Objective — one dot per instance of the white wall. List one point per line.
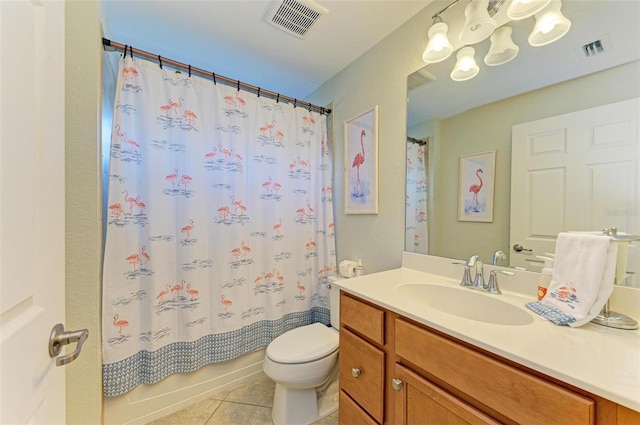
(82, 203)
(379, 77)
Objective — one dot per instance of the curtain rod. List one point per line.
(114, 46)
(418, 141)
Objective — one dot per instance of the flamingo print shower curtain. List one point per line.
(416, 237)
(219, 224)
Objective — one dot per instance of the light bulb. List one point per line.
(438, 48)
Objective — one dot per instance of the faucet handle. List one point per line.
(479, 280)
(492, 286)
(466, 277)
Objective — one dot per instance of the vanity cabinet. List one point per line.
(396, 371)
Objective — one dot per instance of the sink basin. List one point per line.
(466, 302)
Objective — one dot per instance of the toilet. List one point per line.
(303, 362)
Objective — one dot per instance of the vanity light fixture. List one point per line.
(503, 49)
(479, 24)
(466, 67)
(439, 48)
(522, 9)
(550, 26)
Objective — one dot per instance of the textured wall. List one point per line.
(83, 221)
(378, 77)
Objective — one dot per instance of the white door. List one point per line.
(32, 388)
(578, 171)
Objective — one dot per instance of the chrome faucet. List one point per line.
(478, 282)
(466, 277)
(493, 287)
(498, 255)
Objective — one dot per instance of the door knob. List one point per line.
(518, 248)
(60, 337)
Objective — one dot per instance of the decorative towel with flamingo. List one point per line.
(206, 258)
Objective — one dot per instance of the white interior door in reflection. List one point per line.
(575, 172)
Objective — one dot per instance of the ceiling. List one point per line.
(615, 22)
(232, 39)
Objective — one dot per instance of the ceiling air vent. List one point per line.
(592, 49)
(295, 17)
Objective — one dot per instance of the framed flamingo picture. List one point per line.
(361, 163)
(475, 198)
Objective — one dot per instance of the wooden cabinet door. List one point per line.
(419, 401)
(351, 413)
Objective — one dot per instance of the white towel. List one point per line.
(582, 279)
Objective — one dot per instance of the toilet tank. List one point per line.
(334, 301)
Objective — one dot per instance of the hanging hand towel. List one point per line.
(582, 279)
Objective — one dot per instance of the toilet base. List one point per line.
(303, 407)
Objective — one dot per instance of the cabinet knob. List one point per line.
(396, 384)
(355, 372)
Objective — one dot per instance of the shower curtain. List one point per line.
(219, 224)
(416, 236)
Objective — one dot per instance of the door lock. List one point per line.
(60, 337)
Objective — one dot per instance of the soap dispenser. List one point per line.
(545, 276)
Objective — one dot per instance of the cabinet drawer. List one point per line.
(512, 392)
(350, 413)
(366, 388)
(362, 318)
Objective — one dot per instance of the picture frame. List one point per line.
(476, 190)
(361, 163)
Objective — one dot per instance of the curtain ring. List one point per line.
(189, 71)
(278, 98)
(238, 85)
(258, 91)
(124, 54)
(214, 78)
(295, 103)
(130, 51)
(160, 61)
(310, 107)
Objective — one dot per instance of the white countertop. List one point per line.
(601, 360)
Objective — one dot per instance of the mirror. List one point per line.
(462, 118)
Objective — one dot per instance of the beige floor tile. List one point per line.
(332, 419)
(197, 414)
(257, 393)
(241, 414)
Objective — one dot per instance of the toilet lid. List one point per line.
(303, 344)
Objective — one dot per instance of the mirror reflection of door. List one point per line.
(416, 202)
(584, 168)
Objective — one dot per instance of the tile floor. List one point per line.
(249, 404)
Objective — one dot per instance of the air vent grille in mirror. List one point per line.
(295, 17)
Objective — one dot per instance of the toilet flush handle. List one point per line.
(355, 372)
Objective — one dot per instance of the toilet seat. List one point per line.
(303, 344)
